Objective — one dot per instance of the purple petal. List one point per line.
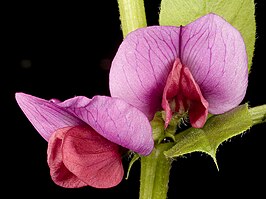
(141, 66)
(212, 49)
(115, 120)
(215, 53)
(112, 118)
(45, 115)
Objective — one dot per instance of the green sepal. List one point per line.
(217, 129)
(132, 161)
(157, 125)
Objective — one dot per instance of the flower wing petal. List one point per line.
(182, 94)
(141, 66)
(215, 53)
(79, 156)
(45, 115)
(58, 170)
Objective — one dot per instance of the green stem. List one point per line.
(155, 171)
(132, 15)
(258, 114)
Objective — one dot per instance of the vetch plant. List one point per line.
(192, 68)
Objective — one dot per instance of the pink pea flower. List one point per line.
(199, 68)
(87, 137)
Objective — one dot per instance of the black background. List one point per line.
(63, 50)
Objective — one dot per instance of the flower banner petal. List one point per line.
(215, 53)
(212, 49)
(115, 120)
(141, 66)
(45, 115)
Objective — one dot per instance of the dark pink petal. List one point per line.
(215, 54)
(79, 156)
(58, 171)
(173, 98)
(141, 66)
(182, 94)
(45, 115)
(115, 120)
(197, 105)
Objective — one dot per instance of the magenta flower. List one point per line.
(87, 137)
(199, 68)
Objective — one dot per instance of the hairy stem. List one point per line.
(132, 15)
(155, 171)
(258, 114)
